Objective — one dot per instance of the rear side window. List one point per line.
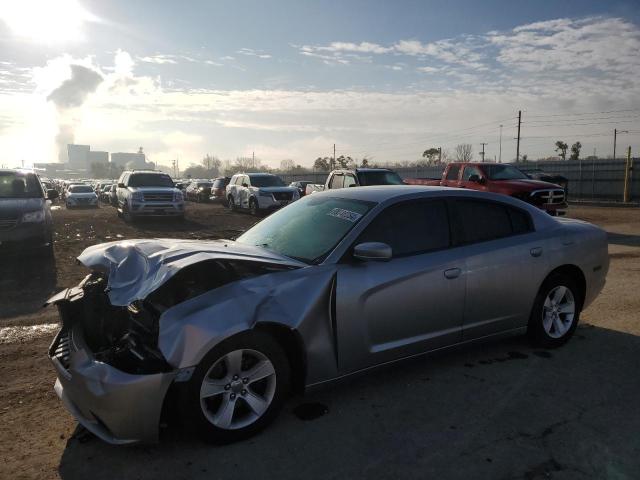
(453, 172)
(410, 228)
(520, 221)
(481, 221)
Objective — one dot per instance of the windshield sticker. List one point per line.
(345, 214)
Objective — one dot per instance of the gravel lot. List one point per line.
(498, 410)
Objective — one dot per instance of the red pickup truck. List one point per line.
(500, 178)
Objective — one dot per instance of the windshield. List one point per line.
(503, 172)
(150, 180)
(308, 229)
(204, 184)
(382, 177)
(20, 185)
(80, 189)
(267, 181)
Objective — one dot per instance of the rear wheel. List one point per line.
(556, 311)
(238, 388)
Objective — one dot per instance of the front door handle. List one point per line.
(536, 252)
(452, 273)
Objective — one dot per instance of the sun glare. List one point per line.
(45, 20)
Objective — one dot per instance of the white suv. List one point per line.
(259, 192)
(148, 193)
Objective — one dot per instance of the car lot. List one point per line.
(499, 410)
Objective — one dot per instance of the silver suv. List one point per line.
(259, 192)
(148, 193)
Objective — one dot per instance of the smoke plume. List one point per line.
(69, 96)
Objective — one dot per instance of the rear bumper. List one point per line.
(118, 407)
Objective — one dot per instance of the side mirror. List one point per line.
(121, 185)
(375, 251)
(52, 194)
(245, 185)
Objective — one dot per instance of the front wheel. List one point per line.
(253, 207)
(238, 388)
(556, 312)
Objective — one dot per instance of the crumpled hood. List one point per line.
(138, 267)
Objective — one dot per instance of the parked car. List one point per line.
(148, 193)
(103, 195)
(113, 195)
(219, 190)
(500, 178)
(259, 192)
(359, 177)
(81, 196)
(198, 191)
(390, 272)
(555, 178)
(301, 185)
(25, 215)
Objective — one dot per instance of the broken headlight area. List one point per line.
(123, 337)
(205, 276)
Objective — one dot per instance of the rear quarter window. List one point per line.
(453, 172)
(480, 221)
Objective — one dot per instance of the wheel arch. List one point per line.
(292, 344)
(575, 273)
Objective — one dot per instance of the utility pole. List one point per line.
(482, 152)
(333, 162)
(615, 135)
(253, 159)
(439, 154)
(518, 144)
(500, 154)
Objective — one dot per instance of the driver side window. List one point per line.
(470, 170)
(410, 228)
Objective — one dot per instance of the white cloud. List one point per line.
(600, 44)
(250, 52)
(159, 59)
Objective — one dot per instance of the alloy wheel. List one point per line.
(238, 389)
(558, 311)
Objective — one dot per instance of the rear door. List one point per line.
(503, 267)
(408, 305)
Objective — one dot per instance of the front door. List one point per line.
(410, 304)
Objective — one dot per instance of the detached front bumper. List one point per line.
(118, 407)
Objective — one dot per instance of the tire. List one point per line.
(556, 312)
(206, 409)
(126, 215)
(253, 207)
(230, 203)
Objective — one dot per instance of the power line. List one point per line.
(584, 113)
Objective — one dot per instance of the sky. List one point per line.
(286, 79)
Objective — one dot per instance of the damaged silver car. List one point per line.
(332, 285)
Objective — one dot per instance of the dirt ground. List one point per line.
(498, 410)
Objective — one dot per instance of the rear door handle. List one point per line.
(452, 273)
(536, 252)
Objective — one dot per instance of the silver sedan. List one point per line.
(332, 285)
